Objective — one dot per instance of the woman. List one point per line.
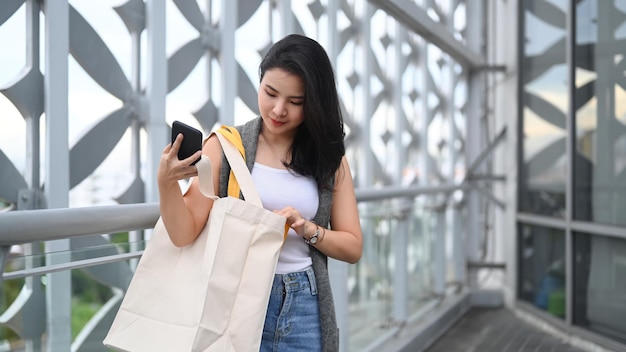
(297, 159)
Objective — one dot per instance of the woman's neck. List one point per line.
(278, 142)
(274, 149)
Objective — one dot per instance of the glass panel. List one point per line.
(370, 281)
(421, 261)
(11, 290)
(95, 295)
(455, 242)
(541, 268)
(544, 101)
(600, 285)
(600, 163)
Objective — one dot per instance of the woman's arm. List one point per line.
(345, 241)
(185, 216)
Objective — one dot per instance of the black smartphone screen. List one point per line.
(192, 141)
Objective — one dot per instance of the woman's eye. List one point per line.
(270, 94)
(297, 102)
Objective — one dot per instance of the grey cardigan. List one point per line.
(330, 333)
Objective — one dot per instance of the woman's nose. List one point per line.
(280, 109)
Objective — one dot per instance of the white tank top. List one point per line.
(279, 188)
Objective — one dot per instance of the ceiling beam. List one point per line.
(416, 19)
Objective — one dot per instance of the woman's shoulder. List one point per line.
(249, 131)
(250, 125)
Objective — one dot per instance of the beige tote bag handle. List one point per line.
(242, 174)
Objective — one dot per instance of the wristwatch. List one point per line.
(315, 237)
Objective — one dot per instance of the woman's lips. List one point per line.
(276, 123)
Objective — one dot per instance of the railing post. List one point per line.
(458, 246)
(439, 251)
(400, 272)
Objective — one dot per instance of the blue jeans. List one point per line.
(292, 322)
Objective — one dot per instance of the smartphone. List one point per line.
(192, 141)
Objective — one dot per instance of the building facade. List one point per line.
(488, 141)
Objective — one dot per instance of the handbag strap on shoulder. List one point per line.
(233, 149)
(233, 136)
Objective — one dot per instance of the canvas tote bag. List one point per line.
(211, 295)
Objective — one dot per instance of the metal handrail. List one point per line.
(19, 227)
(25, 226)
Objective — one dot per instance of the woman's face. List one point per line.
(281, 100)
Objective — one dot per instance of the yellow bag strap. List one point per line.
(233, 136)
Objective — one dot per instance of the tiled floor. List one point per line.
(497, 330)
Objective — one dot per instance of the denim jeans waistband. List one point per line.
(296, 281)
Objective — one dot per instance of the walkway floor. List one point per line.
(497, 330)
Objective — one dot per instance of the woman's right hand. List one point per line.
(171, 169)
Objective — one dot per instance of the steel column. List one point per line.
(400, 236)
(59, 285)
(156, 93)
(474, 132)
(338, 270)
(570, 149)
(228, 63)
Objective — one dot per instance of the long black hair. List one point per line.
(318, 145)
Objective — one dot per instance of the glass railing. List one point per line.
(406, 264)
(403, 240)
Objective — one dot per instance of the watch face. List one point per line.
(313, 240)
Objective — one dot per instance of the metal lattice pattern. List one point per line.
(403, 99)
